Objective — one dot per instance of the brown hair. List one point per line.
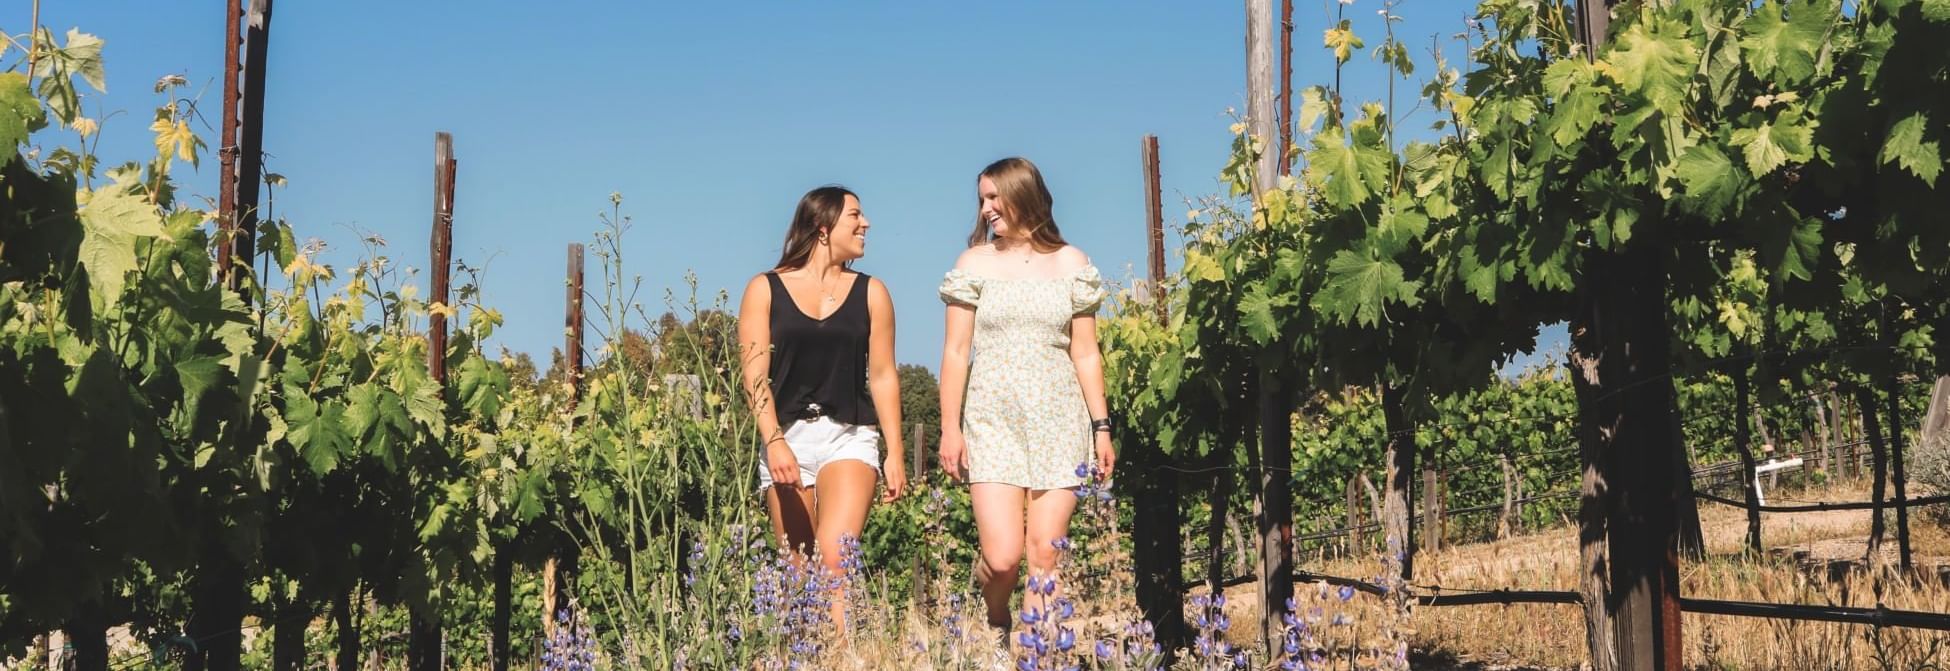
(818, 210)
(1020, 187)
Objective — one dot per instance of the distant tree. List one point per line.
(635, 351)
(521, 370)
(557, 374)
(707, 341)
(920, 400)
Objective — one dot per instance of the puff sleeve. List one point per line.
(961, 287)
(1086, 291)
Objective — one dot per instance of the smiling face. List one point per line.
(995, 211)
(848, 235)
(1013, 204)
(829, 221)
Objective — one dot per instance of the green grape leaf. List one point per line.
(20, 112)
(1937, 10)
(1905, 147)
(362, 410)
(1711, 181)
(1775, 45)
(1573, 83)
(423, 404)
(1346, 174)
(1655, 65)
(482, 386)
(1790, 247)
(111, 220)
(1358, 288)
(317, 431)
(1258, 314)
(198, 375)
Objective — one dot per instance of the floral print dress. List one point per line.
(1024, 417)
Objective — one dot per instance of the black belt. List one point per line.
(811, 412)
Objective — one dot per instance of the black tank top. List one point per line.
(821, 361)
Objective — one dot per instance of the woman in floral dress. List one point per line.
(1024, 302)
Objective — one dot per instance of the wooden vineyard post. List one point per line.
(1286, 89)
(1936, 420)
(1825, 435)
(555, 570)
(1154, 224)
(1517, 524)
(1431, 510)
(918, 451)
(1505, 525)
(227, 149)
(918, 473)
(1353, 516)
(1894, 397)
(1156, 525)
(241, 152)
(572, 347)
(441, 247)
(424, 641)
(1275, 518)
(1742, 444)
(1219, 502)
(217, 589)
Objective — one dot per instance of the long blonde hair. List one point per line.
(1020, 187)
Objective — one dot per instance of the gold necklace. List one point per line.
(828, 292)
(1026, 256)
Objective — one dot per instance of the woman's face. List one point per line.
(995, 213)
(848, 236)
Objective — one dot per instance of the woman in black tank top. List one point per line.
(818, 353)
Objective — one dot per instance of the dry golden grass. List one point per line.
(1813, 558)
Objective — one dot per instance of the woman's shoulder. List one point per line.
(1071, 259)
(975, 258)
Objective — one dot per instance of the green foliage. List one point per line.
(920, 398)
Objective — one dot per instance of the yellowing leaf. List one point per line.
(174, 136)
(1770, 146)
(112, 220)
(1202, 268)
(1313, 104)
(1342, 40)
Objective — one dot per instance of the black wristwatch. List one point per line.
(1100, 425)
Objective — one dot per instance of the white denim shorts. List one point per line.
(818, 442)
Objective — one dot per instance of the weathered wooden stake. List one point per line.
(1353, 516)
(572, 348)
(1431, 511)
(1275, 519)
(1505, 525)
(441, 247)
(1286, 87)
(1156, 525)
(1154, 224)
(425, 648)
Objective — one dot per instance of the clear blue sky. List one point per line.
(712, 118)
